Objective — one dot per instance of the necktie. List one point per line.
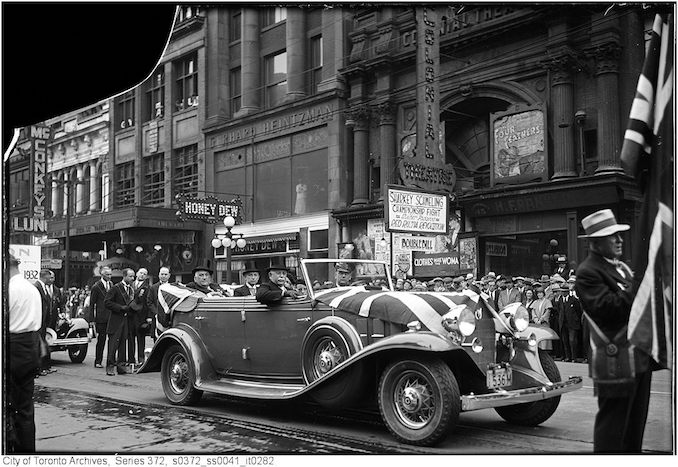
(49, 291)
(128, 290)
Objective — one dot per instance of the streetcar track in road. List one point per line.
(316, 441)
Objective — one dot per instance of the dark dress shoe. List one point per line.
(122, 370)
(110, 370)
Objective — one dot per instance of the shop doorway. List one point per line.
(528, 255)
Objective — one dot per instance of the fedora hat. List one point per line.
(204, 266)
(601, 224)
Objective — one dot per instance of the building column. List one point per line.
(79, 189)
(55, 195)
(295, 40)
(607, 84)
(250, 62)
(64, 188)
(333, 33)
(359, 115)
(387, 138)
(216, 45)
(562, 98)
(94, 195)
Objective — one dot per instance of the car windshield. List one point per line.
(331, 273)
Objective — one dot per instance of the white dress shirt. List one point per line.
(25, 306)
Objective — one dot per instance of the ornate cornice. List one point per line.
(606, 57)
(358, 116)
(563, 63)
(384, 112)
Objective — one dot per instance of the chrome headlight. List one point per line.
(460, 319)
(413, 326)
(520, 319)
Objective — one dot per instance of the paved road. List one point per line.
(79, 409)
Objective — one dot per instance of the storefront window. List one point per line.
(273, 194)
(528, 255)
(309, 177)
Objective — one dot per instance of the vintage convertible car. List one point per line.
(71, 334)
(421, 357)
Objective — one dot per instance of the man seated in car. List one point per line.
(273, 289)
(343, 274)
(202, 281)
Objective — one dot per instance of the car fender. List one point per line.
(422, 341)
(541, 333)
(195, 350)
(77, 324)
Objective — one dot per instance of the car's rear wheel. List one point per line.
(534, 413)
(419, 400)
(77, 353)
(326, 347)
(178, 377)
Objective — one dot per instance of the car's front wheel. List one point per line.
(77, 353)
(178, 377)
(419, 400)
(325, 347)
(534, 413)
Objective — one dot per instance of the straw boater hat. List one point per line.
(601, 224)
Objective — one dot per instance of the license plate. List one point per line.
(499, 375)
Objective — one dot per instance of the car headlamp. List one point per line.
(460, 319)
(520, 319)
(413, 326)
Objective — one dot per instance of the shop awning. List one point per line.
(273, 237)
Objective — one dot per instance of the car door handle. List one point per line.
(199, 318)
(308, 318)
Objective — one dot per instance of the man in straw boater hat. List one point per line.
(604, 286)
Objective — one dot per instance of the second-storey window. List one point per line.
(125, 110)
(316, 63)
(276, 78)
(155, 95)
(272, 16)
(187, 82)
(235, 26)
(186, 170)
(154, 180)
(236, 90)
(124, 184)
(19, 194)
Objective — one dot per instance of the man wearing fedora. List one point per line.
(273, 290)
(251, 275)
(202, 280)
(604, 286)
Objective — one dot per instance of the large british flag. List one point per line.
(648, 154)
(429, 308)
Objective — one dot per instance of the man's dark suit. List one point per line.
(571, 326)
(100, 316)
(46, 302)
(244, 291)
(117, 301)
(269, 293)
(606, 297)
(137, 317)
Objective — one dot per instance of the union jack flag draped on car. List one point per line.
(647, 154)
(429, 308)
(170, 296)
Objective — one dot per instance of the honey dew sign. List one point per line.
(416, 211)
(210, 210)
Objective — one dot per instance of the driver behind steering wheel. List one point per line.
(343, 274)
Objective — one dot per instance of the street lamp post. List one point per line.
(229, 241)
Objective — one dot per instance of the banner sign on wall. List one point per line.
(409, 242)
(410, 210)
(30, 256)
